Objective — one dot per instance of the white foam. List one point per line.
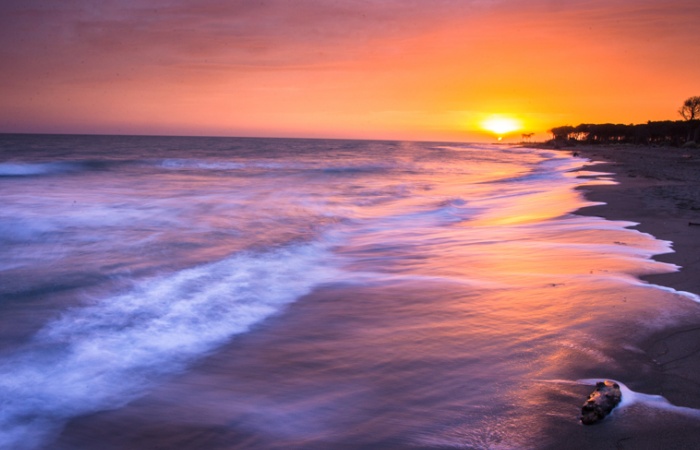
(630, 397)
(104, 355)
(186, 164)
(19, 169)
(198, 164)
(689, 295)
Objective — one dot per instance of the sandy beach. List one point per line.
(659, 188)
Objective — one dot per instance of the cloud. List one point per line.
(235, 57)
(245, 33)
(281, 33)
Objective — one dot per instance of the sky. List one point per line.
(372, 69)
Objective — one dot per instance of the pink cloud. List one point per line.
(93, 58)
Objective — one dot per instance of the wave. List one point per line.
(312, 166)
(449, 211)
(220, 165)
(23, 169)
(102, 356)
(545, 171)
(19, 169)
(363, 168)
(188, 164)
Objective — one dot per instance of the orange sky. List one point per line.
(394, 69)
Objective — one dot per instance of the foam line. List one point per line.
(102, 356)
(19, 169)
(630, 397)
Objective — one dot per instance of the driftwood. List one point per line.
(599, 404)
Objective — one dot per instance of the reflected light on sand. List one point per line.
(539, 206)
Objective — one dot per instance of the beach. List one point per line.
(290, 293)
(659, 188)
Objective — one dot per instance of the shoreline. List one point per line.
(658, 188)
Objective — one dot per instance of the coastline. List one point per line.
(658, 188)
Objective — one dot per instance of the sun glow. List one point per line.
(501, 125)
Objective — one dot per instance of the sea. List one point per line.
(253, 293)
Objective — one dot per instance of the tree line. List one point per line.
(667, 132)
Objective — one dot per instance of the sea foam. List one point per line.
(20, 169)
(658, 402)
(103, 356)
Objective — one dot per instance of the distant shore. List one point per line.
(659, 188)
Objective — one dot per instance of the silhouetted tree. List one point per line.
(663, 133)
(562, 133)
(690, 109)
(667, 132)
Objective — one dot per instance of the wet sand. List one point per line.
(659, 188)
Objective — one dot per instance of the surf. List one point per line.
(104, 355)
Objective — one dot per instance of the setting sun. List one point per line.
(500, 125)
(349, 197)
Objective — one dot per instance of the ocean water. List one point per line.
(221, 293)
